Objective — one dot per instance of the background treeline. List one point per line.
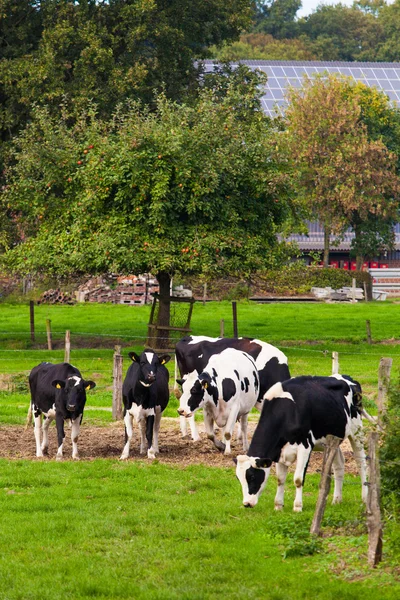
(366, 31)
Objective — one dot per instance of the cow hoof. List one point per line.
(279, 507)
(151, 455)
(39, 455)
(336, 500)
(123, 457)
(76, 458)
(59, 458)
(45, 451)
(297, 509)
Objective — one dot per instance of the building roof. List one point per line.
(283, 73)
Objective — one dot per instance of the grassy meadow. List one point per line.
(106, 529)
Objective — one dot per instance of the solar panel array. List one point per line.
(284, 73)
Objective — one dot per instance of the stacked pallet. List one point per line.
(136, 289)
(55, 297)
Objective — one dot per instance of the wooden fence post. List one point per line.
(48, 332)
(32, 319)
(368, 327)
(235, 324)
(204, 294)
(67, 348)
(332, 444)
(385, 366)
(117, 385)
(335, 363)
(221, 328)
(374, 521)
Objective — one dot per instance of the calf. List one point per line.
(193, 353)
(227, 389)
(302, 411)
(145, 395)
(57, 392)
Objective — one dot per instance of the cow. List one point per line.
(227, 389)
(58, 391)
(145, 394)
(296, 417)
(192, 354)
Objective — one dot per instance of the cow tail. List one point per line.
(29, 417)
(177, 391)
(373, 420)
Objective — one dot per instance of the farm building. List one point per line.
(384, 76)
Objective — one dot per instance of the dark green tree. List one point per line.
(277, 17)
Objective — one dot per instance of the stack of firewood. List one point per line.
(55, 297)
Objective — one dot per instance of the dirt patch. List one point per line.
(107, 442)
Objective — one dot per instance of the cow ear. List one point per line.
(89, 385)
(58, 384)
(263, 463)
(164, 359)
(180, 381)
(204, 384)
(133, 356)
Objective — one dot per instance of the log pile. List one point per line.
(55, 297)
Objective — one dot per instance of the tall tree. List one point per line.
(343, 177)
(193, 190)
(277, 17)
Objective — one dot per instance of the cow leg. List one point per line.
(128, 420)
(75, 427)
(229, 427)
(149, 436)
(37, 430)
(183, 421)
(209, 426)
(45, 430)
(303, 456)
(142, 429)
(357, 445)
(338, 475)
(243, 431)
(281, 474)
(60, 436)
(157, 421)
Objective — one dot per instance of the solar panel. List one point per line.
(281, 73)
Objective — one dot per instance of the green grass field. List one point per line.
(105, 529)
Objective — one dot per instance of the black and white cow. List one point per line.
(193, 353)
(227, 389)
(145, 395)
(302, 412)
(57, 392)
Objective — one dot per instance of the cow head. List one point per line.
(74, 391)
(193, 391)
(148, 363)
(253, 474)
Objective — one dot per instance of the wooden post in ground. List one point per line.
(332, 444)
(32, 319)
(48, 333)
(368, 327)
(67, 347)
(117, 385)
(335, 363)
(353, 290)
(204, 294)
(385, 366)
(374, 520)
(235, 323)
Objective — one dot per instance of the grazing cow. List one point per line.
(57, 392)
(193, 353)
(227, 389)
(145, 395)
(302, 411)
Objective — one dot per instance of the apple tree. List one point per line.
(179, 190)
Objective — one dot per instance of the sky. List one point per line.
(310, 5)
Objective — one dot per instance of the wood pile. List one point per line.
(131, 289)
(55, 297)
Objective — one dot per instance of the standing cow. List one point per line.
(302, 411)
(227, 389)
(193, 353)
(145, 395)
(57, 392)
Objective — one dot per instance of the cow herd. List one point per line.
(227, 378)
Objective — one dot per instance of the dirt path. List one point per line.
(107, 442)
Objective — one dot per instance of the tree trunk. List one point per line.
(357, 233)
(163, 319)
(327, 232)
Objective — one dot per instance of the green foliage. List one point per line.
(157, 192)
(390, 456)
(296, 538)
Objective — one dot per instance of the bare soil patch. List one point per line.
(107, 442)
